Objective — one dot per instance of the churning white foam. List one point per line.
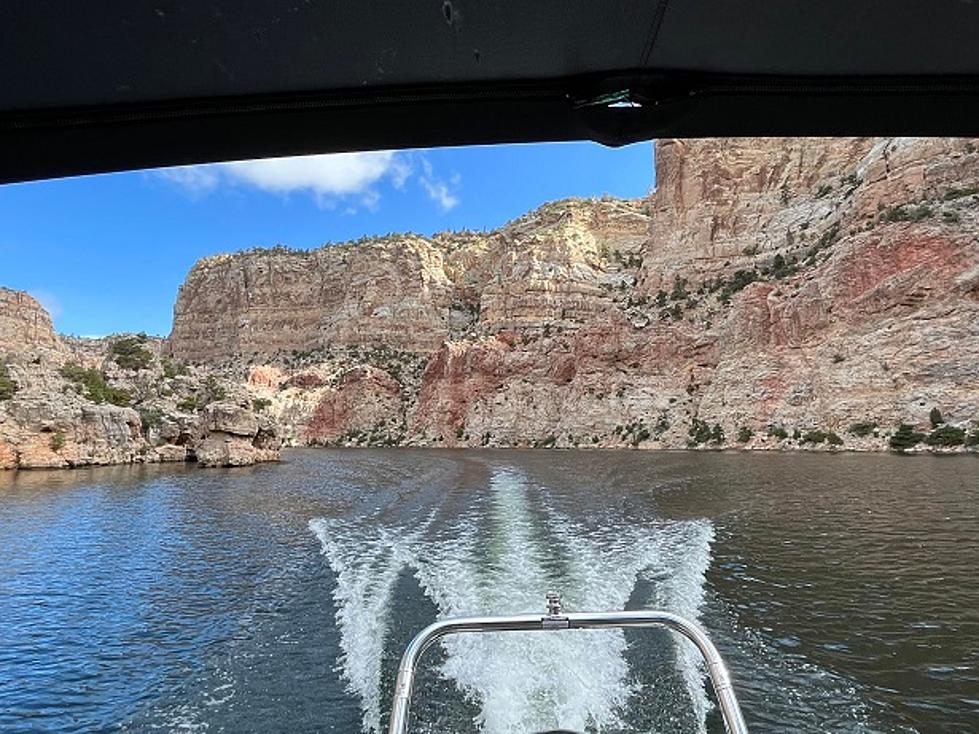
(679, 587)
(504, 563)
(367, 561)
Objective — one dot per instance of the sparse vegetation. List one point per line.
(826, 241)
(8, 386)
(905, 437)
(745, 434)
(906, 213)
(679, 289)
(260, 404)
(953, 194)
(172, 369)
(675, 312)
(863, 429)
(782, 268)
(91, 385)
(130, 354)
(57, 440)
(814, 437)
(188, 404)
(378, 435)
(817, 437)
(634, 433)
(717, 434)
(633, 260)
(150, 419)
(394, 361)
(739, 281)
(946, 436)
(935, 417)
(778, 432)
(699, 431)
(214, 390)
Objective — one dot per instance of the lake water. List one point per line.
(843, 591)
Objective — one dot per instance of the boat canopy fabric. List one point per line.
(131, 83)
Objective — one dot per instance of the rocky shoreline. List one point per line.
(794, 294)
(82, 402)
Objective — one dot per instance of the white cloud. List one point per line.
(329, 178)
(438, 190)
(48, 301)
(400, 172)
(334, 175)
(196, 179)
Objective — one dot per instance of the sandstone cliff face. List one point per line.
(25, 327)
(769, 294)
(70, 402)
(407, 292)
(869, 317)
(392, 291)
(791, 293)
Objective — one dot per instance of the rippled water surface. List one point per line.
(843, 591)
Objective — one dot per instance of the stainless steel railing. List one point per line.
(555, 619)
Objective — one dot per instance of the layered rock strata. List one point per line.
(771, 293)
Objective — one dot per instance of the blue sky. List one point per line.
(106, 253)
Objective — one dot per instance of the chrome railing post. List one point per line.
(555, 619)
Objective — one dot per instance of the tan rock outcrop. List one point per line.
(408, 292)
(25, 326)
(231, 435)
(62, 412)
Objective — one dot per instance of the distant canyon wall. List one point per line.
(827, 289)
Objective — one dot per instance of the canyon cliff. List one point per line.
(769, 294)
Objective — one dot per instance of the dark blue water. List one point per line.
(842, 590)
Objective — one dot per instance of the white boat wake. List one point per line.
(503, 563)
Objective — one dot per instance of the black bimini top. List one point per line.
(119, 84)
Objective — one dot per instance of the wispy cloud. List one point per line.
(197, 180)
(351, 178)
(442, 193)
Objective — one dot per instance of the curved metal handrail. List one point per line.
(555, 620)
